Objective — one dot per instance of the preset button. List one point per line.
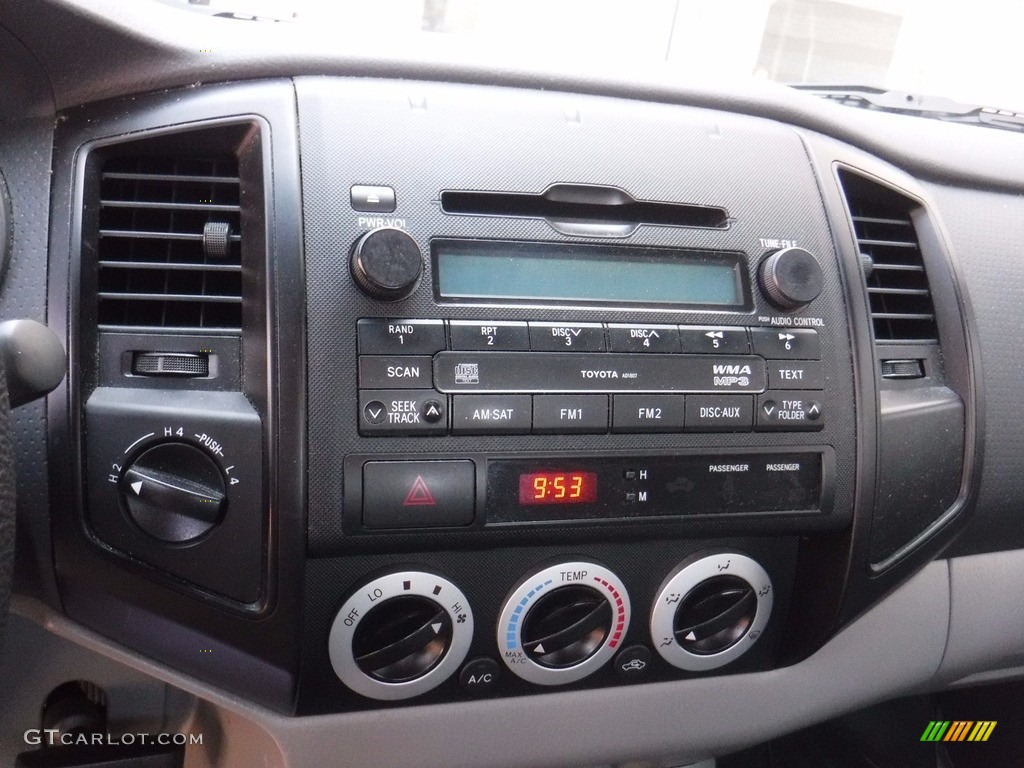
(643, 338)
(385, 336)
(567, 337)
(786, 343)
(485, 335)
(714, 340)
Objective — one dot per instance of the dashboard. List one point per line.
(411, 408)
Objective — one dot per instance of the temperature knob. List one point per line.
(386, 264)
(563, 623)
(791, 278)
(174, 492)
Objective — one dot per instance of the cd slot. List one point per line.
(584, 209)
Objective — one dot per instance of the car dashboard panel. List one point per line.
(390, 395)
(556, 390)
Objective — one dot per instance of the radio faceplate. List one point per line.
(391, 391)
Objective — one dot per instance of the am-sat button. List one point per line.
(418, 494)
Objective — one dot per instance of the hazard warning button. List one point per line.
(418, 494)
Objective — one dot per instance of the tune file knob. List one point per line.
(791, 278)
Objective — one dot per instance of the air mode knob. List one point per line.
(386, 264)
(791, 278)
(710, 611)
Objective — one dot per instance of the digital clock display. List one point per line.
(557, 488)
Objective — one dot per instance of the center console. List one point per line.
(396, 394)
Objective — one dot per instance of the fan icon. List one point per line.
(461, 619)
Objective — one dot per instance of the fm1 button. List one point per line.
(480, 676)
(633, 662)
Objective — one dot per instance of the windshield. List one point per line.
(962, 51)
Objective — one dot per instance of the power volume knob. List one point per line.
(791, 278)
(386, 264)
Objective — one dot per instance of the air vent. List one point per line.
(897, 284)
(168, 244)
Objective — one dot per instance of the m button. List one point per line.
(418, 494)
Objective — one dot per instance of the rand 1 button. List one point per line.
(386, 336)
(402, 412)
(570, 414)
(642, 338)
(786, 343)
(567, 337)
(395, 372)
(486, 335)
(790, 411)
(719, 413)
(491, 414)
(796, 374)
(714, 340)
(418, 494)
(648, 413)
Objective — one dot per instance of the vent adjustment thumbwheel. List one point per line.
(401, 635)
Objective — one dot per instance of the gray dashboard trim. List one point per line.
(893, 649)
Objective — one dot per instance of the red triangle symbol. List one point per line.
(419, 495)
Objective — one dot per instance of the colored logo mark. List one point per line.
(958, 730)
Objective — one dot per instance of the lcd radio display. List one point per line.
(466, 270)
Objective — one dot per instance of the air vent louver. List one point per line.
(156, 269)
(897, 284)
